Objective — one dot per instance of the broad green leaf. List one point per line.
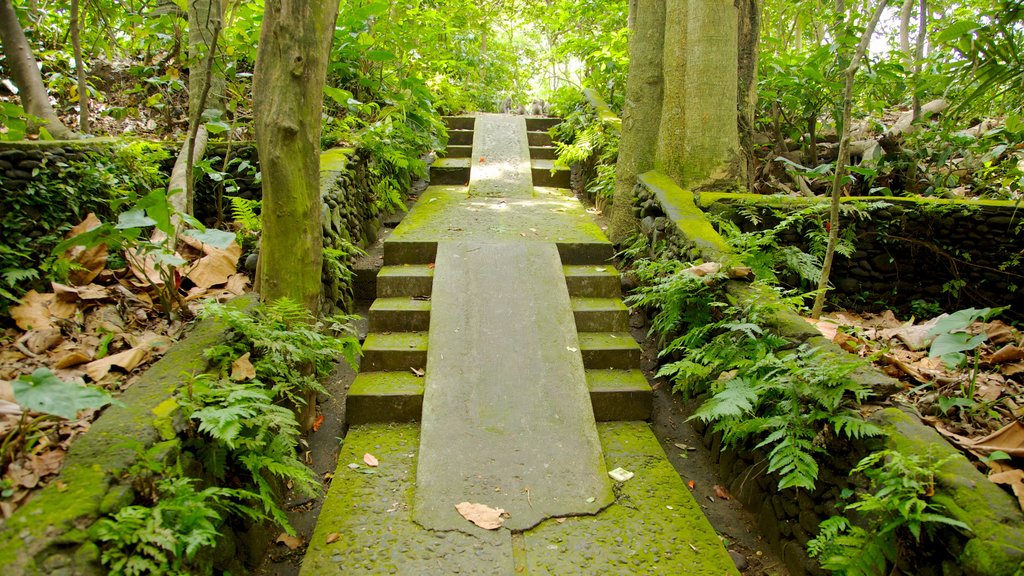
(340, 96)
(219, 239)
(44, 392)
(955, 342)
(156, 207)
(134, 218)
(217, 127)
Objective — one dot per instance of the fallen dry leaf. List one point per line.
(91, 260)
(370, 460)
(704, 269)
(1015, 480)
(482, 515)
(290, 541)
(126, 360)
(333, 537)
(418, 372)
(692, 484)
(47, 463)
(242, 368)
(318, 422)
(1006, 354)
(39, 341)
(216, 267)
(236, 284)
(6, 391)
(721, 492)
(999, 332)
(33, 313)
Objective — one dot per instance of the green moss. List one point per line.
(681, 208)
(604, 112)
(708, 198)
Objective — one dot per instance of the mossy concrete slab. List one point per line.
(396, 351)
(543, 152)
(603, 350)
(600, 314)
(593, 281)
(507, 419)
(405, 280)
(460, 137)
(654, 527)
(501, 157)
(619, 395)
(680, 207)
(384, 397)
(400, 314)
(454, 151)
(370, 511)
(449, 213)
(450, 171)
(540, 123)
(539, 138)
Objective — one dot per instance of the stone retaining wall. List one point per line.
(951, 253)
(789, 518)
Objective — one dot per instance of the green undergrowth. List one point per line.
(584, 140)
(797, 403)
(230, 442)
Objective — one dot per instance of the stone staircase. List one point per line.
(373, 519)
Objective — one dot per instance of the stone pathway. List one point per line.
(500, 295)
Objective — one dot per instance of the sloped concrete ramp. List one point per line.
(507, 420)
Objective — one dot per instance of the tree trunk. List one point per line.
(905, 13)
(291, 68)
(749, 32)
(922, 33)
(641, 113)
(842, 161)
(83, 84)
(698, 144)
(205, 18)
(26, 75)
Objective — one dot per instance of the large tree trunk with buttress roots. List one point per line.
(698, 143)
(25, 72)
(641, 112)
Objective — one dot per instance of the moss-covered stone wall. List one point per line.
(950, 253)
(787, 519)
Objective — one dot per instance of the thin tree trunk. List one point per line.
(83, 85)
(749, 31)
(842, 161)
(196, 119)
(26, 75)
(922, 33)
(906, 11)
(641, 113)
(205, 20)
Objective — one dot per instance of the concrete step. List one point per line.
(460, 137)
(604, 350)
(545, 173)
(456, 152)
(447, 171)
(655, 526)
(459, 122)
(619, 395)
(413, 251)
(542, 124)
(592, 281)
(400, 314)
(543, 152)
(539, 138)
(599, 314)
(384, 397)
(405, 280)
(394, 352)
(398, 396)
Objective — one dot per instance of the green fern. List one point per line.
(247, 213)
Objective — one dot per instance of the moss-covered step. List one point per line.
(397, 351)
(384, 397)
(455, 151)
(453, 171)
(601, 281)
(546, 173)
(654, 527)
(459, 122)
(398, 396)
(543, 152)
(538, 138)
(603, 350)
(366, 526)
(538, 124)
(619, 395)
(451, 213)
(460, 137)
(600, 314)
(405, 280)
(400, 314)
